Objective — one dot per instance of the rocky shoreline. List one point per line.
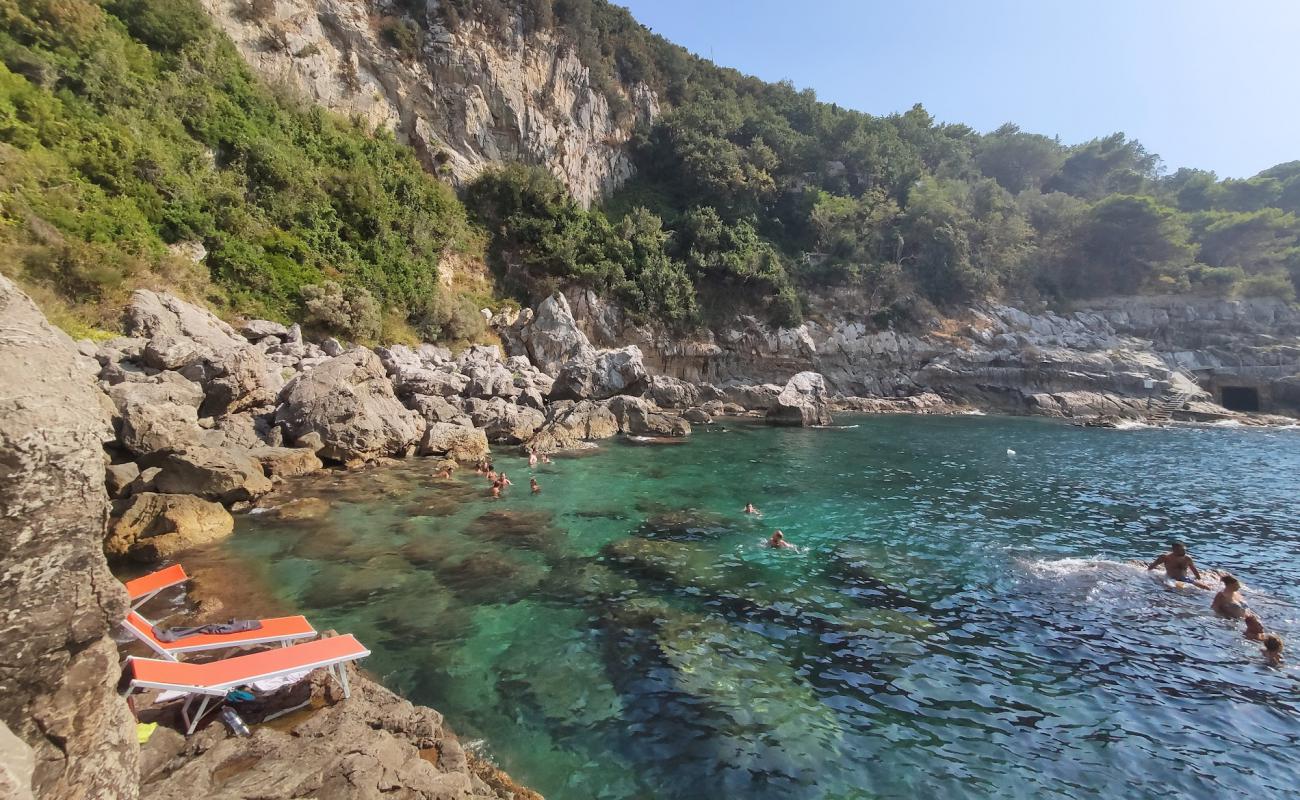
(141, 447)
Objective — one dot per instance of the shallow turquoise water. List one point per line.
(957, 622)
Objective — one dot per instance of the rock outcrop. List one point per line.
(234, 374)
(468, 98)
(372, 745)
(58, 602)
(349, 402)
(803, 401)
(154, 527)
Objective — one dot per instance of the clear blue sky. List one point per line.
(1213, 84)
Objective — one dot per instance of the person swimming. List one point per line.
(1177, 564)
(534, 485)
(1273, 649)
(778, 542)
(445, 472)
(1228, 603)
(492, 475)
(749, 509)
(495, 491)
(546, 459)
(1254, 628)
(504, 481)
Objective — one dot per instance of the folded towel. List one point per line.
(233, 626)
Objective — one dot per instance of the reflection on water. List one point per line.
(957, 622)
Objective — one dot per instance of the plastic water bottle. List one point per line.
(234, 722)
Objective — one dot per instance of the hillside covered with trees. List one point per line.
(131, 130)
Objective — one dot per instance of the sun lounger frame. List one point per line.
(336, 666)
(172, 651)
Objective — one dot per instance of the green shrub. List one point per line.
(454, 318)
(404, 35)
(350, 312)
(1268, 284)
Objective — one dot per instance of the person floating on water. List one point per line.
(1273, 649)
(749, 509)
(1228, 603)
(1254, 628)
(1178, 564)
(534, 485)
(778, 542)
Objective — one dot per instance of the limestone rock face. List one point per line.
(227, 476)
(803, 401)
(283, 462)
(349, 402)
(454, 441)
(234, 374)
(470, 98)
(598, 374)
(638, 417)
(155, 527)
(58, 602)
(551, 337)
(504, 422)
(158, 413)
(569, 426)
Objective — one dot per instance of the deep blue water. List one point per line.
(957, 621)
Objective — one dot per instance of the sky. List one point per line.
(1212, 84)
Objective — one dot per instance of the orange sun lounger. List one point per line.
(216, 678)
(142, 589)
(278, 630)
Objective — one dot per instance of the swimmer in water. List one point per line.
(496, 491)
(444, 473)
(532, 484)
(492, 476)
(749, 509)
(1228, 603)
(1254, 628)
(504, 481)
(532, 458)
(546, 459)
(778, 542)
(1177, 564)
(1273, 649)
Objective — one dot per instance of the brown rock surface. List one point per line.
(58, 666)
(154, 527)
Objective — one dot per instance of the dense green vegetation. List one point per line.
(757, 185)
(134, 125)
(131, 130)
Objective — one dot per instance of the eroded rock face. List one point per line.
(803, 401)
(504, 422)
(638, 417)
(471, 98)
(58, 665)
(155, 527)
(571, 425)
(454, 441)
(599, 374)
(157, 413)
(349, 402)
(234, 374)
(284, 462)
(226, 476)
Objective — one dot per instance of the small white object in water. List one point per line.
(1010, 452)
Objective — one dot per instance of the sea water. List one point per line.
(963, 616)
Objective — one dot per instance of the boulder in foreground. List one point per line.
(58, 602)
(155, 527)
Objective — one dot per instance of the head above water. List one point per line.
(1231, 582)
(1178, 548)
(1273, 644)
(778, 536)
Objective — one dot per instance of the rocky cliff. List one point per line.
(58, 665)
(462, 99)
(1114, 358)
